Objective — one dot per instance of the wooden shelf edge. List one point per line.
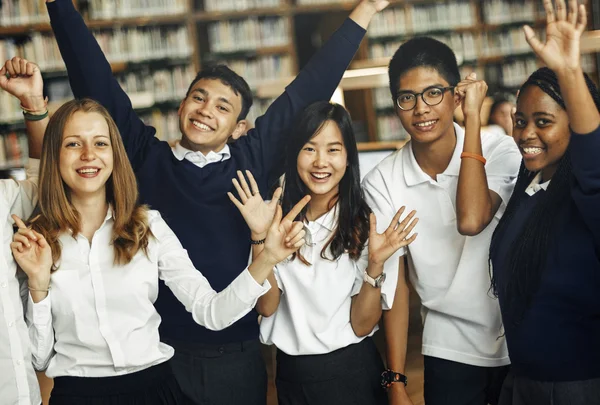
(138, 21)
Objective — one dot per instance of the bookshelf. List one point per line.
(156, 46)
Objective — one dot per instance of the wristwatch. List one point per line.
(374, 282)
(388, 377)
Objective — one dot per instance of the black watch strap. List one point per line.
(389, 377)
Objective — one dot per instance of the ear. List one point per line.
(181, 107)
(240, 129)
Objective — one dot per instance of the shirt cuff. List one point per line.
(247, 289)
(39, 313)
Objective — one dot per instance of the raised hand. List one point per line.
(377, 4)
(23, 79)
(285, 236)
(472, 93)
(256, 212)
(383, 245)
(33, 254)
(563, 33)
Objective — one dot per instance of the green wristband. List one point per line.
(34, 117)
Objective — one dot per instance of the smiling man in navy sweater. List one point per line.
(188, 184)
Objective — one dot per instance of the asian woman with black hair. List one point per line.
(331, 293)
(545, 250)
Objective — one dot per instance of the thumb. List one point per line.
(276, 196)
(372, 224)
(532, 39)
(3, 78)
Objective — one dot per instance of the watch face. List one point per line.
(379, 280)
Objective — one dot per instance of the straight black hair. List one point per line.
(423, 52)
(527, 255)
(353, 218)
(229, 78)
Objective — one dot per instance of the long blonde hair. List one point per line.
(57, 214)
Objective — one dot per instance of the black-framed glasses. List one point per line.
(433, 95)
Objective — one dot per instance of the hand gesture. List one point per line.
(257, 214)
(285, 236)
(563, 33)
(23, 79)
(472, 93)
(383, 245)
(33, 254)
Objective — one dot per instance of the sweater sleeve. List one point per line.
(90, 75)
(316, 82)
(586, 172)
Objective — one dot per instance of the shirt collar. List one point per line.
(413, 174)
(198, 157)
(537, 185)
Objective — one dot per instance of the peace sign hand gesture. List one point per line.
(563, 33)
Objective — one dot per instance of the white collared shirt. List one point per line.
(537, 185)
(198, 157)
(18, 383)
(313, 316)
(99, 319)
(450, 271)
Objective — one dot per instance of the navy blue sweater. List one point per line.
(558, 338)
(193, 200)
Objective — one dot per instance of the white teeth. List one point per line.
(425, 124)
(532, 151)
(201, 126)
(320, 175)
(87, 171)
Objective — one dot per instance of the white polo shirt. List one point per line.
(450, 272)
(313, 316)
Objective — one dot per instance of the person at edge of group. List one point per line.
(18, 383)
(500, 118)
(330, 294)
(545, 250)
(459, 180)
(188, 184)
(93, 256)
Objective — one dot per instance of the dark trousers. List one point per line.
(348, 376)
(153, 386)
(523, 391)
(451, 383)
(228, 374)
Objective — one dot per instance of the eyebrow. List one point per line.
(79, 136)
(424, 88)
(536, 114)
(206, 94)
(329, 144)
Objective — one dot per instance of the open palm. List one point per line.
(383, 245)
(563, 33)
(379, 4)
(256, 212)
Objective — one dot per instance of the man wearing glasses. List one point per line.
(459, 181)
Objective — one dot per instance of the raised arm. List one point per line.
(316, 82)
(561, 53)
(91, 76)
(476, 204)
(366, 305)
(214, 310)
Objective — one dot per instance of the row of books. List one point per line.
(165, 122)
(14, 151)
(119, 45)
(468, 46)
(22, 12)
(510, 11)
(248, 34)
(109, 9)
(263, 68)
(239, 5)
(163, 85)
(389, 128)
(259, 107)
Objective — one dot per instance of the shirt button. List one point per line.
(18, 362)
(3, 284)
(11, 324)
(221, 350)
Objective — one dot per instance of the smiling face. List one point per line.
(208, 116)
(322, 162)
(86, 155)
(426, 124)
(541, 131)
